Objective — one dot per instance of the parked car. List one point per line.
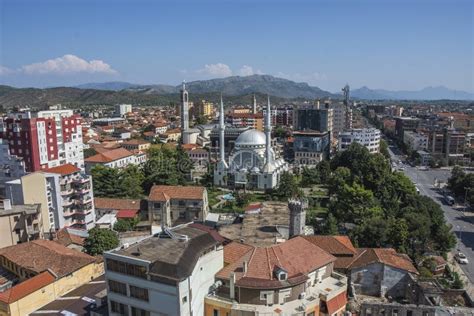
(449, 200)
(461, 258)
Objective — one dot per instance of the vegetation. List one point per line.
(383, 206)
(124, 225)
(462, 184)
(100, 240)
(164, 166)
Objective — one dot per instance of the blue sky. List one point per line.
(381, 44)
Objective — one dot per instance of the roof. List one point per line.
(297, 257)
(27, 287)
(63, 169)
(135, 142)
(116, 204)
(172, 258)
(41, 255)
(111, 155)
(252, 137)
(65, 238)
(127, 213)
(235, 250)
(336, 303)
(166, 192)
(335, 245)
(387, 256)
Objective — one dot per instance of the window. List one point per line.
(215, 312)
(156, 205)
(119, 308)
(117, 287)
(185, 298)
(139, 293)
(126, 268)
(139, 312)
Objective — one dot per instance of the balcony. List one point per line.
(84, 190)
(31, 230)
(66, 192)
(81, 179)
(67, 203)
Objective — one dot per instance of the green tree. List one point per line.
(330, 226)
(131, 181)
(89, 152)
(100, 240)
(324, 171)
(384, 149)
(105, 181)
(309, 176)
(287, 187)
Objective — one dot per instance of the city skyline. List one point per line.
(384, 45)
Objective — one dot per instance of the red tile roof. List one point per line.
(116, 204)
(297, 256)
(336, 303)
(27, 287)
(109, 156)
(63, 169)
(166, 192)
(65, 238)
(41, 255)
(387, 256)
(335, 245)
(127, 213)
(214, 233)
(234, 251)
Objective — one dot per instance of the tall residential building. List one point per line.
(43, 139)
(64, 193)
(313, 117)
(416, 141)
(368, 137)
(338, 118)
(348, 107)
(251, 120)
(167, 274)
(122, 109)
(403, 124)
(311, 147)
(206, 108)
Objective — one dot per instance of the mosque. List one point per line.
(252, 163)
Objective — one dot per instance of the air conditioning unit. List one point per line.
(302, 296)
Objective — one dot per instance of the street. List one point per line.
(463, 223)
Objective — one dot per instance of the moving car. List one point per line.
(461, 258)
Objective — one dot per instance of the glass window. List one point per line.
(119, 308)
(139, 293)
(139, 312)
(117, 287)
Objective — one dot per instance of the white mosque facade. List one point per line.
(252, 164)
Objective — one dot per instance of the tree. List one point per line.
(324, 171)
(105, 181)
(89, 152)
(309, 176)
(384, 149)
(287, 187)
(330, 226)
(100, 240)
(131, 180)
(201, 120)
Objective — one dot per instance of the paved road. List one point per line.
(463, 222)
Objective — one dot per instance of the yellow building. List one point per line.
(19, 223)
(206, 108)
(38, 272)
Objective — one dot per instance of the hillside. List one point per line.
(428, 93)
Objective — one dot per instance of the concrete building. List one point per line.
(310, 147)
(403, 124)
(136, 145)
(12, 166)
(173, 205)
(167, 274)
(253, 163)
(252, 120)
(19, 223)
(122, 109)
(43, 139)
(367, 137)
(206, 109)
(313, 117)
(415, 141)
(338, 118)
(35, 273)
(64, 193)
(292, 278)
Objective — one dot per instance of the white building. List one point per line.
(338, 118)
(122, 109)
(253, 163)
(415, 141)
(115, 158)
(368, 137)
(167, 274)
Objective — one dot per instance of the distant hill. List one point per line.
(113, 85)
(428, 93)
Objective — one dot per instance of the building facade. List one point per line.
(313, 117)
(166, 274)
(43, 139)
(367, 137)
(415, 141)
(310, 147)
(19, 223)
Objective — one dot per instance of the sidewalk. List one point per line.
(468, 286)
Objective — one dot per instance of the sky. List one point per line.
(388, 44)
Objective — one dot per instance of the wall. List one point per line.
(34, 191)
(367, 280)
(8, 237)
(394, 281)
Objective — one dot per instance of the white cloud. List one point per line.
(5, 70)
(68, 64)
(216, 70)
(248, 71)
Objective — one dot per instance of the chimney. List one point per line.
(7, 204)
(232, 286)
(245, 267)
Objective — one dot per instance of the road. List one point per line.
(462, 222)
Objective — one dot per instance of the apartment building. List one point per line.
(206, 108)
(35, 273)
(136, 145)
(64, 193)
(167, 274)
(115, 158)
(415, 141)
(122, 109)
(43, 139)
(367, 137)
(19, 223)
(11, 166)
(173, 205)
(339, 117)
(252, 120)
(403, 124)
(292, 278)
(313, 117)
(310, 147)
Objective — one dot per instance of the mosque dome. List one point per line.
(252, 137)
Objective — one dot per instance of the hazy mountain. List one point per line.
(113, 85)
(428, 93)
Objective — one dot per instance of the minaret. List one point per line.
(254, 110)
(222, 163)
(184, 114)
(268, 137)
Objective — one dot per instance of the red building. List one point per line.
(45, 139)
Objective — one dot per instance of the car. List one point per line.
(449, 200)
(401, 168)
(461, 258)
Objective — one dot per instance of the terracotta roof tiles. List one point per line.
(27, 287)
(166, 192)
(63, 169)
(116, 204)
(386, 256)
(109, 156)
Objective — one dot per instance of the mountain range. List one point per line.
(236, 89)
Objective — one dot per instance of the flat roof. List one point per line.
(16, 209)
(171, 257)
